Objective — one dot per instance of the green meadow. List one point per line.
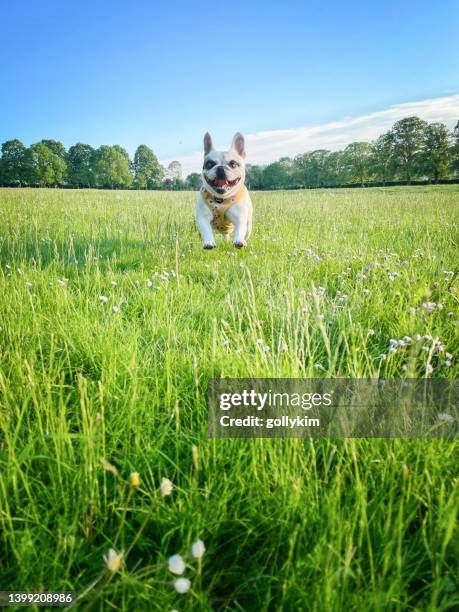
(113, 319)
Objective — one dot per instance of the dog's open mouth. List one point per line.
(222, 185)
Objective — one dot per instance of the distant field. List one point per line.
(113, 318)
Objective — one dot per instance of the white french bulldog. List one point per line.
(223, 202)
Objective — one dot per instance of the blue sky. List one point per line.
(162, 73)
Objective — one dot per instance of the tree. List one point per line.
(408, 143)
(356, 158)
(15, 163)
(275, 176)
(454, 151)
(194, 180)
(436, 150)
(111, 167)
(254, 176)
(335, 168)
(48, 168)
(147, 170)
(174, 170)
(56, 147)
(80, 170)
(311, 169)
(382, 157)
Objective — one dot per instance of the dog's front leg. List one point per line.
(205, 230)
(240, 219)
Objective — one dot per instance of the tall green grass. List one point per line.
(113, 318)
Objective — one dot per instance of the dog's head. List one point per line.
(223, 172)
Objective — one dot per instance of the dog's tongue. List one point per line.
(220, 182)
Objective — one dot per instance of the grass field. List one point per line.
(113, 318)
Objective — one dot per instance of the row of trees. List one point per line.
(47, 163)
(412, 149)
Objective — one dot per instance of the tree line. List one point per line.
(411, 150)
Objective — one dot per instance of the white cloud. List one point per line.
(266, 147)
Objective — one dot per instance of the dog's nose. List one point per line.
(220, 172)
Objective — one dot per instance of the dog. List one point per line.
(223, 202)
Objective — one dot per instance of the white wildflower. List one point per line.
(182, 585)
(116, 309)
(113, 560)
(166, 487)
(176, 564)
(103, 298)
(446, 417)
(198, 549)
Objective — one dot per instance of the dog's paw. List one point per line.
(239, 244)
(210, 245)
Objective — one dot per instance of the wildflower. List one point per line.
(113, 560)
(446, 417)
(318, 366)
(382, 357)
(134, 479)
(266, 348)
(448, 363)
(182, 585)
(450, 314)
(429, 306)
(417, 337)
(365, 291)
(61, 282)
(149, 283)
(225, 342)
(103, 298)
(114, 283)
(198, 549)
(166, 487)
(320, 290)
(176, 564)
(115, 309)
(371, 332)
(28, 284)
(407, 339)
(260, 341)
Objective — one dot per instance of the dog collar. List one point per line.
(209, 198)
(218, 207)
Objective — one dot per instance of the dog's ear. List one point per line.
(238, 144)
(208, 144)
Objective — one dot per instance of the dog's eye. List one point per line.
(233, 164)
(209, 164)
